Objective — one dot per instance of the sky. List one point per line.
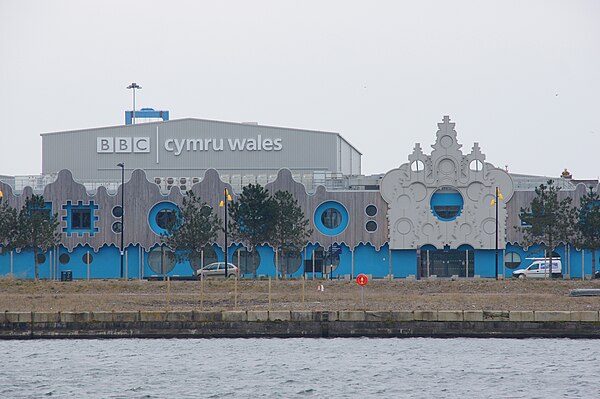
(521, 78)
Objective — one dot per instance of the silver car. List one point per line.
(217, 269)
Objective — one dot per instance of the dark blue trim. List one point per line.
(161, 206)
(319, 213)
(68, 218)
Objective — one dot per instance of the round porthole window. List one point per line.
(288, 262)
(247, 261)
(117, 211)
(417, 166)
(41, 258)
(371, 210)
(116, 227)
(161, 216)
(446, 204)
(512, 260)
(64, 259)
(161, 260)
(331, 218)
(87, 258)
(371, 226)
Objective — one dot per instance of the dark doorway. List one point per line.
(447, 263)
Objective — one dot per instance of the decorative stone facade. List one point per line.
(409, 191)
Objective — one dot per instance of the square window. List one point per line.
(81, 219)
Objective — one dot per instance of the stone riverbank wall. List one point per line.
(297, 323)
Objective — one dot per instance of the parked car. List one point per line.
(540, 269)
(217, 269)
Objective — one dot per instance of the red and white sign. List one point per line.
(362, 279)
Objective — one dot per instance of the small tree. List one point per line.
(36, 228)
(588, 225)
(291, 229)
(8, 227)
(548, 220)
(194, 226)
(252, 217)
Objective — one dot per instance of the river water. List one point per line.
(288, 368)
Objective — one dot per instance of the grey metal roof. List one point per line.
(248, 125)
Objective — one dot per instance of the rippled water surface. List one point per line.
(340, 368)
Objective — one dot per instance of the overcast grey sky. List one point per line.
(522, 78)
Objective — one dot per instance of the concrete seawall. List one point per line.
(297, 323)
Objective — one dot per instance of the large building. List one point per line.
(429, 217)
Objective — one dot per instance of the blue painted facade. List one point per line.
(105, 263)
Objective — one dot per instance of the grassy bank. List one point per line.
(108, 295)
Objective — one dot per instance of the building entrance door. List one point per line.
(447, 263)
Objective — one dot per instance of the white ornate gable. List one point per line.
(408, 191)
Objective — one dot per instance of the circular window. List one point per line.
(205, 257)
(246, 261)
(512, 260)
(446, 204)
(117, 211)
(64, 259)
(87, 258)
(161, 260)
(371, 210)
(417, 166)
(371, 226)
(41, 258)
(165, 218)
(289, 263)
(116, 227)
(161, 216)
(331, 218)
(476, 165)
(206, 210)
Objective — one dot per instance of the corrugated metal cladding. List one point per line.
(188, 147)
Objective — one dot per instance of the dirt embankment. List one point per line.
(108, 295)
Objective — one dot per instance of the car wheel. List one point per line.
(522, 276)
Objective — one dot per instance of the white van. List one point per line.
(540, 269)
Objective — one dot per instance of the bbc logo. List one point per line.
(105, 145)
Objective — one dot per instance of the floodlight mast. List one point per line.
(134, 86)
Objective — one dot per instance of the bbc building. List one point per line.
(429, 217)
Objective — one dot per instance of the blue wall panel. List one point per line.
(404, 263)
(369, 261)
(485, 264)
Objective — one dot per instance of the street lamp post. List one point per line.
(223, 204)
(134, 86)
(496, 197)
(122, 166)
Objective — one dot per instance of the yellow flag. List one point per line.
(221, 204)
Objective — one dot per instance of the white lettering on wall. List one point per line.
(123, 144)
(141, 144)
(105, 145)
(109, 145)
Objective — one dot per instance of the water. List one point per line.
(288, 368)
